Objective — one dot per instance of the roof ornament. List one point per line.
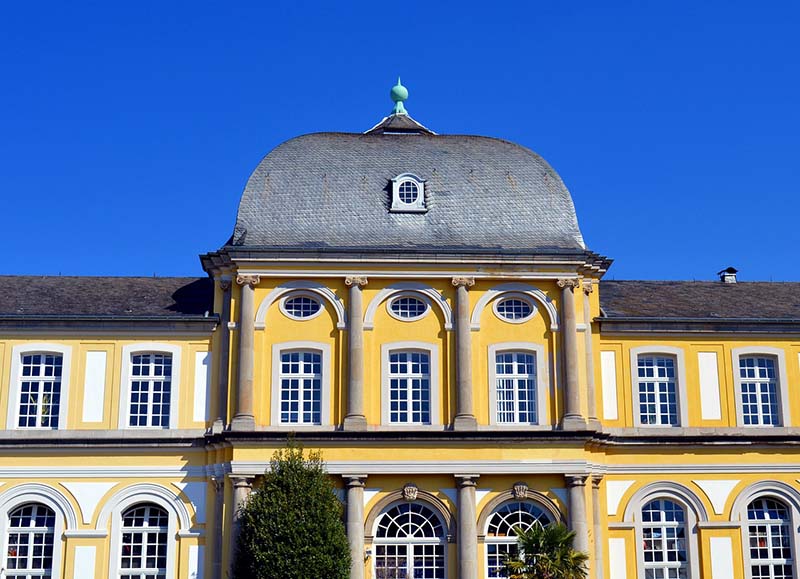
(398, 94)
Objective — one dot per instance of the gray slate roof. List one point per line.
(331, 191)
(700, 300)
(127, 297)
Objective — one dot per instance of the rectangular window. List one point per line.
(40, 390)
(151, 389)
(301, 387)
(409, 387)
(759, 391)
(658, 393)
(515, 385)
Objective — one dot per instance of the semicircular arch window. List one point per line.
(514, 309)
(301, 307)
(501, 536)
(409, 542)
(408, 307)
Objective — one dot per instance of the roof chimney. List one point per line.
(728, 275)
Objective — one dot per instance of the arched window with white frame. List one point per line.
(39, 390)
(144, 542)
(760, 383)
(301, 383)
(517, 384)
(659, 386)
(410, 541)
(410, 383)
(502, 527)
(150, 386)
(30, 538)
(770, 539)
(664, 540)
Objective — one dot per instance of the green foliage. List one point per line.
(546, 553)
(291, 527)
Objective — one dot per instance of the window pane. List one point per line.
(301, 387)
(150, 390)
(658, 394)
(515, 388)
(409, 387)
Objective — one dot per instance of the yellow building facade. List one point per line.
(421, 308)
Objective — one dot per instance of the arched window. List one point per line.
(664, 535)
(769, 534)
(29, 540)
(501, 536)
(409, 542)
(143, 548)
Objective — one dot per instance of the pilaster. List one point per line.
(355, 418)
(244, 419)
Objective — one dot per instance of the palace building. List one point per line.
(424, 310)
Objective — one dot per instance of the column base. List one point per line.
(573, 422)
(465, 422)
(355, 423)
(217, 427)
(243, 422)
(593, 424)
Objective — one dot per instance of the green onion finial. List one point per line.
(398, 94)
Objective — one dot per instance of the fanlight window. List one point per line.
(408, 308)
(301, 307)
(501, 536)
(664, 540)
(144, 543)
(514, 309)
(769, 532)
(409, 542)
(31, 530)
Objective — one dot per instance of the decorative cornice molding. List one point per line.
(460, 281)
(251, 280)
(358, 281)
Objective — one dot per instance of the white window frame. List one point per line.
(514, 296)
(433, 355)
(408, 294)
(125, 383)
(326, 386)
(495, 540)
(116, 531)
(399, 206)
(782, 390)
(17, 352)
(680, 383)
(300, 294)
(542, 381)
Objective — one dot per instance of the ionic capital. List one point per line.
(588, 286)
(569, 282)
(356, 280)
(354, 480)
(596, 480)
(463, 281)
(251, 280)
(576, 480)
(467, 480)
(242, 482)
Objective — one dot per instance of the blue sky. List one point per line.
(128, 130)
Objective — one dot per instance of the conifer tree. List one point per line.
(291, 527)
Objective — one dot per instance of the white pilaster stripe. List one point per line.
(722, 558)
(84, 561)
(617, 566)
(615, 489)
(608, 374)
(196, 561)
(94, 386)
(717, 492)
(710, 408)
(88, 495)
(202, 378)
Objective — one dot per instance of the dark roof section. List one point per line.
(331, 191)
(398, 124)
(700, 300)
(105, 297)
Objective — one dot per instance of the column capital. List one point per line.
(596, 480)
(588, 286)
(569, 282)
(250, 280)
(467, 480)
(358, 281)
(576, 480)
(239, 482)
(354, 480)
(225, 284)
(466, 282)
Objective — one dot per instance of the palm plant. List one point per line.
(546, 552)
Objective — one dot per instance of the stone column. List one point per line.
(355, 418)
(241, 490)
(598, 529)
(224, 356)
(587, 334)
(467, 527)
(355, 523)
(573, 419)
(245, 418)
(576, 485)
(219, 506)
(465, 417)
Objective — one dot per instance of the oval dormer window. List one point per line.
(408, 194)
(301, 307)
(408, 308)
(514, 309)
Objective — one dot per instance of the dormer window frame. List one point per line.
(418, 205)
